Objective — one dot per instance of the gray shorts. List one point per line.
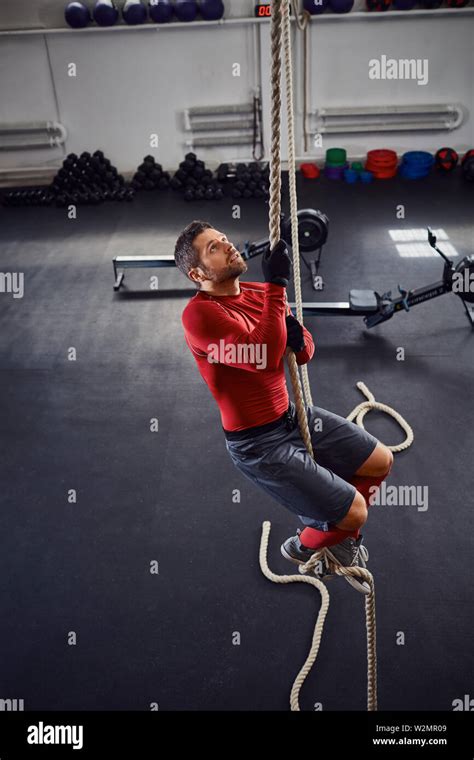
(316, 490)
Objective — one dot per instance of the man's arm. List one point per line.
(307, 353)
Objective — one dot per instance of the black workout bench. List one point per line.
(128, 262)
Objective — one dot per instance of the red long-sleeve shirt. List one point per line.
(245, 338)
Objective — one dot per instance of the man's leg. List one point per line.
(366, 480)
(373, 472)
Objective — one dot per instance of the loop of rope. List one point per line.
(319, 625)
(361, 410)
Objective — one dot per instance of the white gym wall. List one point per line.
(133, 83)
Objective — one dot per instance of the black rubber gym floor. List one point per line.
(84, 568)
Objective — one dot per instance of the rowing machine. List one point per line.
(312, 234)
(375, 308)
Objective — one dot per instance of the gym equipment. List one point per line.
(446, 159)
(351, 176)
(335, 172)
(416, 164)
(457, 3)
(341, 6)
(375, 308)
(161, 11)
(195, 181)
(185, 10)
(467, 155)
(248, 180)
(315, 6)
(105, 13)
(129, 262)
(366, 177)
(310, 171)
(89, 179)
(382, 163)
(313, 229)
(134, 12)
(378, 5)
(33, 197)
(77, 15)
(150, 176)
(336, 156)
(211, 10)
(468, 169)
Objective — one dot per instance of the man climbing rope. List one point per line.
(239, 334)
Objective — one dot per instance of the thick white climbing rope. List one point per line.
(280, 35)
(318, 628)
(361, 410)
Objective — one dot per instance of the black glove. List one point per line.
(276, 264)
(295, 335)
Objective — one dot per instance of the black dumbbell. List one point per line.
(156, 175)
(163, 183)
(191, 157)
(189, 194)
(146, 167)
(187, 166)
(176, 183)
(218, 193)
(222, 171)
(68, 163)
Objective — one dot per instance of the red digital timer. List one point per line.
(264, 10)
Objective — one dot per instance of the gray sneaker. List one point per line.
(293, 550)
(350, 553)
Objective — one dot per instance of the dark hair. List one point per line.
(185, 254)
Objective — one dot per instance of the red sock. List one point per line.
(367, 486)
(316, 539)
